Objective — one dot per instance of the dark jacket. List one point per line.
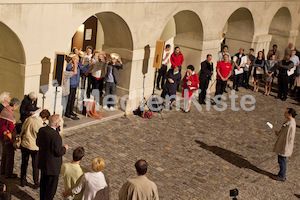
(115, 71)
(206, 69)
(26, 107)
(171, 88)
(284, 66)
(51, 151)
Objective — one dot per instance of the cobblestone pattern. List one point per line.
(196, 155)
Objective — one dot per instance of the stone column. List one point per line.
(293, 36)
(261, 42)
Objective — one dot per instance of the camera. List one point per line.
(233, 193)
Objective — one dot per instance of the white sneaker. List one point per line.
(113, 108)
(105, 107)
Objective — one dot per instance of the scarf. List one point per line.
(8, 114)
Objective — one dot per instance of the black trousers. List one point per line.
(220, 87)
(48, 186)
(7, 162)
(98, 87)
(204, 82)
(283, 82)
(71, 101)
(246, 76)
(89, 86)
(162, 76)
(25, 157)
(237, 80)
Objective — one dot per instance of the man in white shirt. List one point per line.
(162, 72)
(222, 53)
(239, 61)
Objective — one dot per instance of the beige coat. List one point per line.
(29, 132)
(285, 141)
(139, 188)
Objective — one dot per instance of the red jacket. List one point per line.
(176, 60)
(6, 129)
(194, 79)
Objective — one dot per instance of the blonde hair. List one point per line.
(98, 164)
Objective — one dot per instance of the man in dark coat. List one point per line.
(207, 69)
(50, 157)
(28, 106)
(284, 67)
(170, 88)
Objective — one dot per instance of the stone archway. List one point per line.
(185, 30)
(280, 29)
(110, 33)
(239, 30)
(12, 62)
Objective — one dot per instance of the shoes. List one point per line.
(105, 107)
(36, 186)
(237, 89)
(277, 178)
(23, 183)
(225, 91)
(112, 108)
(158, 88)
(184, 111)
(67, 115)
(12, 176)
(283, 99)
(75, 118)
(202, 102)
(73, 114)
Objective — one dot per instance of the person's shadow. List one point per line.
(233, 158)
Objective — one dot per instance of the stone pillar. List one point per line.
(293, 36)
(261, 42)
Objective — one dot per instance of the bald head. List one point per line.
(54, 121)
(141, 167)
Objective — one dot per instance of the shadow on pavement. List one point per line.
(233, 158)
(297, 195)
(12, 186)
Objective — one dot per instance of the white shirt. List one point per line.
(243, 59)
(91, 183)
(221, 54)
(164, 62)
(295, 60)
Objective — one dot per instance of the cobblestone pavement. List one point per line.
(197, 155)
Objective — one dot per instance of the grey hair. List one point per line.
(4, 96)
(53, 120)
(32, 95)
(14, 102)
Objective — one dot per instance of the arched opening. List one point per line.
(239, 30)
(280, 29)
(107, 31)
(185, 30)
(12, 61)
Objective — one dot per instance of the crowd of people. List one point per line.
(91, 73)
(39, 139)
(239, 68)
(37, 133)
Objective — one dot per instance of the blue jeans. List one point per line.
(282, 164)
(110, 89)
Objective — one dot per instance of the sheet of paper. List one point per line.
(270, 125)
(240, 71)
(37, 112)
(291, 71)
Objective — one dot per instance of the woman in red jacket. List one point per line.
(190, 83)
(7, 138)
